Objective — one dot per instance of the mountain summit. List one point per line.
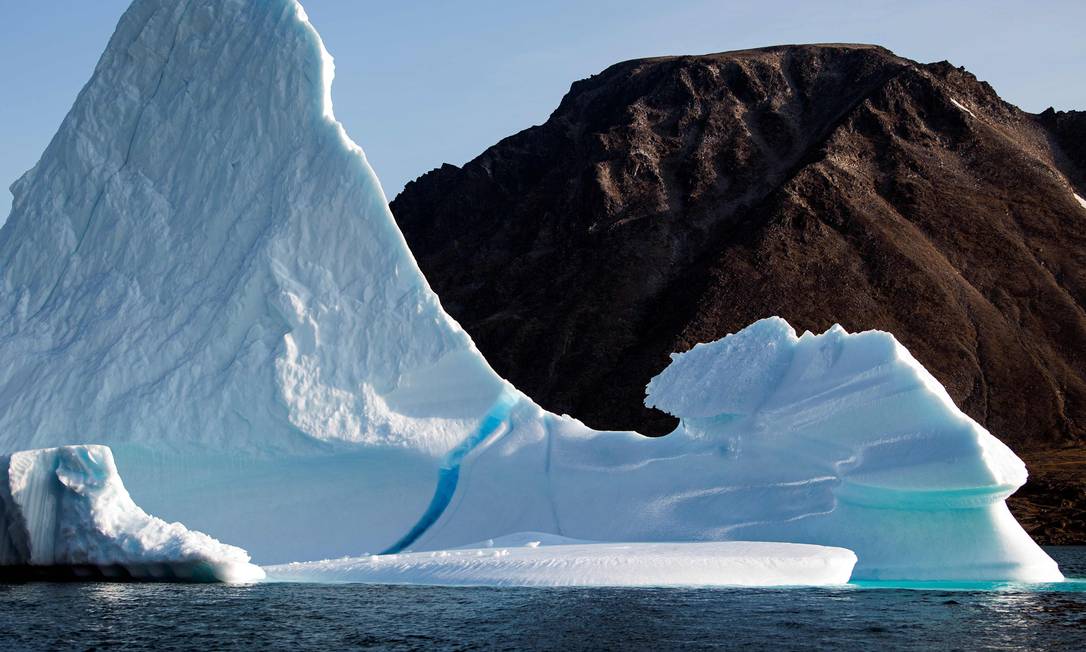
(673, 200)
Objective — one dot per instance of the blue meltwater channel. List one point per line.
(448, 474)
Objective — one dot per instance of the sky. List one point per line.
(420, 83)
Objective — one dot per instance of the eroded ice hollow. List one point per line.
(202, 273)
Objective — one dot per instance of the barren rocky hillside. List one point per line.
(674, 200)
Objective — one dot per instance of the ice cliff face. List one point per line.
(67, 508)
(202, 272)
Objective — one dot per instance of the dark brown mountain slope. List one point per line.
(674, 200)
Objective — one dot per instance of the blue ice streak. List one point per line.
(448, 474)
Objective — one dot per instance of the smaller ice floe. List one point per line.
(65, 514)
(962, 107)
(1081, 201)
(536, 562)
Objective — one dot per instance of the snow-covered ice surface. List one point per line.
(720, 563)
(1081, 201)
(66, 508)
(202, 272)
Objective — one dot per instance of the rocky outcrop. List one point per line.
(674, 200)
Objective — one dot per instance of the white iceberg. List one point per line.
(202, 272)
(577, 563)
(64, 513)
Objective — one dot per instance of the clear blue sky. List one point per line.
(421, 83)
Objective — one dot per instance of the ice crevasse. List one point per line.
(202, 273)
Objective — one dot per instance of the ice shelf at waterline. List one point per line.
(202, 272)
(65, 514)
(577, 563)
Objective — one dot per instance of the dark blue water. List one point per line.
(292, 616)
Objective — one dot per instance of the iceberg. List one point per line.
(202, 273)
(65, 514)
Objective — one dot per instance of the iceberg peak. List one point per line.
(202, 255)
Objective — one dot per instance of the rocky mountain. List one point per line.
(673, 200)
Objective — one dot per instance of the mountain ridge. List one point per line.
(672, 200)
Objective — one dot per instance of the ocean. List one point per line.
(45, 616)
